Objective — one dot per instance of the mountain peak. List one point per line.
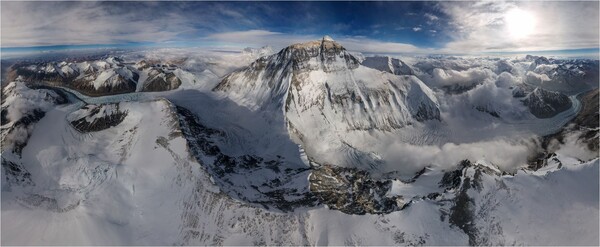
(326, 41)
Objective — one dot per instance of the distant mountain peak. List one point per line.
(327, 38)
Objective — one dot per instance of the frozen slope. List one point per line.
(133, 169)
(97, 186)
(117, 186)
(135, 183)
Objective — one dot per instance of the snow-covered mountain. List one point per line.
(322, 90)
(103, 77)
(544, 104)
(571, 76)
(388, 64)
(307, 146)
(113, 173)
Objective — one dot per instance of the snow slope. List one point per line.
(136, 183)
(324, 92)
(251, 163)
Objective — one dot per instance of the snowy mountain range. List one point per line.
(102, 77)
(307, 146)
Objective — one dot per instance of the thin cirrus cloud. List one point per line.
(452, 27)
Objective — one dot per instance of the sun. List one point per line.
(519, 23)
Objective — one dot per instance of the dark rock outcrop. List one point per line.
(159, 81)
(93, 118)
(16, 174)
(277, 190)
(352, 191)
(546, 104)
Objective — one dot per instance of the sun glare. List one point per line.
(520, 23)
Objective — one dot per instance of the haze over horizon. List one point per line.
(370, 27)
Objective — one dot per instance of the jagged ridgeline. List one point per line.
(101, 77)
(324, 85)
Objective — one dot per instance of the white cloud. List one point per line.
(482, 26)
(374, 46)
(76, 23)
(572, 146)
(36, 24)
(431, 17)
(506, 154)
(507, 80)
(474, 26)
(448, 77)
(535, 78)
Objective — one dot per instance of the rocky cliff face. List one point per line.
(353, 191)
(543, 103)
(92, 118)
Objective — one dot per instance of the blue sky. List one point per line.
(377, 27)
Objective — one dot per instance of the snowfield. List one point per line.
(401, 151)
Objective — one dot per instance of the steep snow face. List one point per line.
(323, 91)
(265, 82)
(492, 209)
(102, 185)
(388, 64)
